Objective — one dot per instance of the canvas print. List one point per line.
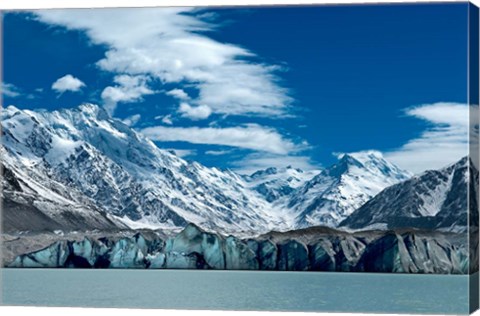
(299, 158)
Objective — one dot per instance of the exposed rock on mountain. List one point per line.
(436, 199)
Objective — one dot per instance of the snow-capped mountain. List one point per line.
(434, 199)
(100, 162)
(33, 201)
(81, 169)
(274, 183)
(336, 192)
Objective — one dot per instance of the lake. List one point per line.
(237, 290)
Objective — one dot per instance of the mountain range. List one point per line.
(79, 168)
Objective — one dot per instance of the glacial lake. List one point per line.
(237, 290)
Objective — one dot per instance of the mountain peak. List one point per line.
(463, 162)
(11, 108)
(371, 160)
(338, 190)
(93, 110)
(362, 156)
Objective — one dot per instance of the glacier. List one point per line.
(311, 249)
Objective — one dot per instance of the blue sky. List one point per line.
(249, 88)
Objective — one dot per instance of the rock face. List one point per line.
(302, 250)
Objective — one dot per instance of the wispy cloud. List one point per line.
(10, 90)
(170, 45)
(127, 89)
(218, 152)
(254, 137)
(165, 119)
(67, 83)
(443, 142)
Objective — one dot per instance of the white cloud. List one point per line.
(166, 119)
(195, 113)
(67, 83)
(170, 45)
(218, 152)
(10, 90)
(178, 94)
(445, 141)
(260, 161)
(252, 136)
(127, 89)
(132, 119)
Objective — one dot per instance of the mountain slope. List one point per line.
(124, 174)
(434, 199)
(337, 191)
(79, 169)
(32, 201)
(274, 183)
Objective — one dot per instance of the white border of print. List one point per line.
(44, 4)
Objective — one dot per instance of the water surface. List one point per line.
(237, 290)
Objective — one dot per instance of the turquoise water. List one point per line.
(237, 290)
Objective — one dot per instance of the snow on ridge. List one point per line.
(128, 176)
(339, 190)
(143, 186)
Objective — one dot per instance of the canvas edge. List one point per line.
(473, 101)
(1, 164)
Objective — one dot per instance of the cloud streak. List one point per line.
(252, 137)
